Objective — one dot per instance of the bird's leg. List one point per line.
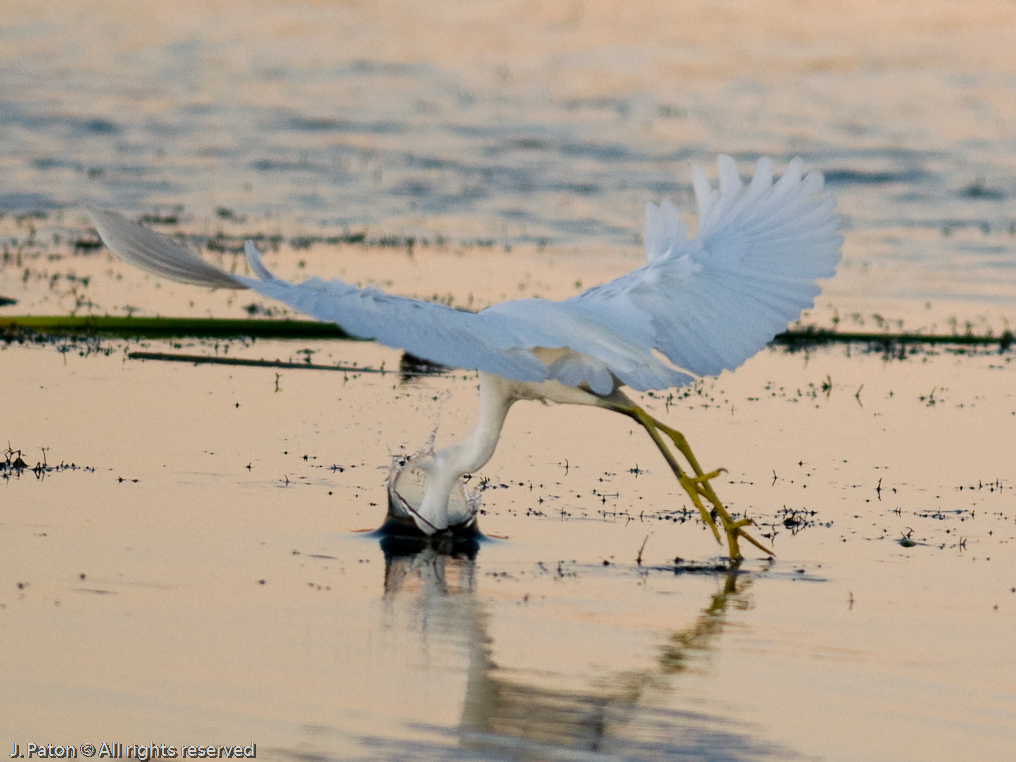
(696, 486)
(734, 528)
(691, 484)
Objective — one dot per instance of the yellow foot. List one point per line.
(697, 487)
(735, 531)
(696, 484)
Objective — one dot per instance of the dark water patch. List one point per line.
(873, 177)
(68, 125)
(418, 161)
(411, 187)
(95, 126)
(592, 227)
(277, 165)
(579, 189)
(315, 124)
(50, 162)
(382, 68)
(978, 189)
(27, 201)
(528, 144)
(607, 153)
(621, 107)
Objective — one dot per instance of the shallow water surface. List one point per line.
(192, 561)
(200, 574)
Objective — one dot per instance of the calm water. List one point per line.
(515, 122)
(201, 580)
(198, 579)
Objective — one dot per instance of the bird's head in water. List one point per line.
(407, 484)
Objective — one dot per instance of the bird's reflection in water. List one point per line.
(434, 566)
(619, 713)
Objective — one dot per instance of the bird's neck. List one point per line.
(472, 453)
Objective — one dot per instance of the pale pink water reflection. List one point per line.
(171, 629)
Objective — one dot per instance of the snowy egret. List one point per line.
(698, 306)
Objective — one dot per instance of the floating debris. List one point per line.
(14, 465)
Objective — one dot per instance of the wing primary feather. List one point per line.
(664, 230)
(155, 253)
(762, 180)
(255, 261)
(730, 181)
(704, 194)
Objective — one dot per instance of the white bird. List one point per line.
(698, 306)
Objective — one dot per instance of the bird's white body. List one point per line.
(698, 306)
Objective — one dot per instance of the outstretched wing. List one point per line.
(711, 302)
(431, 331)
(706, 304)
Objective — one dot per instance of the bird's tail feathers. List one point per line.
(157, 254)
